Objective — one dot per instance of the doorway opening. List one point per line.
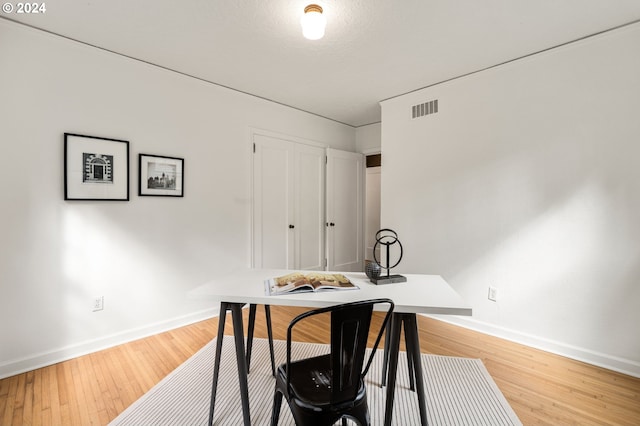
(372, 202)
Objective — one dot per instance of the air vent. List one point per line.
(426, 108)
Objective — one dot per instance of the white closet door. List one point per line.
(273, 208)
(288, 204)
(309, 207)
(345, 186)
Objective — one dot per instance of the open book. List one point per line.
(299, 282)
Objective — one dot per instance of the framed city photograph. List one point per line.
(160, 176)
(95, 168)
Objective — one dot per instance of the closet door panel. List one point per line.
(345, 184)
(309, 207)
(273, 192)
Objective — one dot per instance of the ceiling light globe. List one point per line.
(313, 22)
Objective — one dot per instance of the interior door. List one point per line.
(273, 207)
(288, 204)
(345, 186)
(309, 207)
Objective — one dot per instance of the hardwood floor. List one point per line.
(542, 388)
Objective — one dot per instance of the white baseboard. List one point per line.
(14, 367)
(621, 365)
(18, 366)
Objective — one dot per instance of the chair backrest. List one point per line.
(350, 325)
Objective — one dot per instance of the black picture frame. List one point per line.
(95, 168)
(160, 176)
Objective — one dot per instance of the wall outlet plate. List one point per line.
(493, 294)
(98, 303)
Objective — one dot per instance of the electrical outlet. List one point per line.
(98, 303)
(493, 294)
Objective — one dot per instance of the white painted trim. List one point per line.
(17, 366)
(610, 362)
(252, 131)
(272, 134)
(371, 151)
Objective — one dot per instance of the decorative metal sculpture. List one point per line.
(387, 237)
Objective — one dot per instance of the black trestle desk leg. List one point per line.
(413, 355)
(408, 344)
(250, 332)
(267, 312)
(394, 348)
(385, 360)
(216, 364)
(238, 333)
(252, 323)
(413, 351)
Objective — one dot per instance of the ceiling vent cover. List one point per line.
(423, 109)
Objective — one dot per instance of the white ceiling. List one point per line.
(372, 50)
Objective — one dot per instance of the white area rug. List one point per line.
(460, 391)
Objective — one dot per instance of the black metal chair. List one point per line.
(326, 388)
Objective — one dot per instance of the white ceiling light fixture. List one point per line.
(313, 22)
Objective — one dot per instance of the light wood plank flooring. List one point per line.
(542, 388)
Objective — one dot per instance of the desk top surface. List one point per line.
(427, 294)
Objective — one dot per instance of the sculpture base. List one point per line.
(389, 279)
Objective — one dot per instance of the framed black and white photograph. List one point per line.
(95, 168)
(160, 176)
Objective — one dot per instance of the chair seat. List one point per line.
(311, 388)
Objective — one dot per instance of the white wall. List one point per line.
(144, 255)
(368, 138)
(528, 179)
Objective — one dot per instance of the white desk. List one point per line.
(427, 294)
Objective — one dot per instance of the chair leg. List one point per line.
(267, 313)
(277, 402)
(385, 359)
(361, 415)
